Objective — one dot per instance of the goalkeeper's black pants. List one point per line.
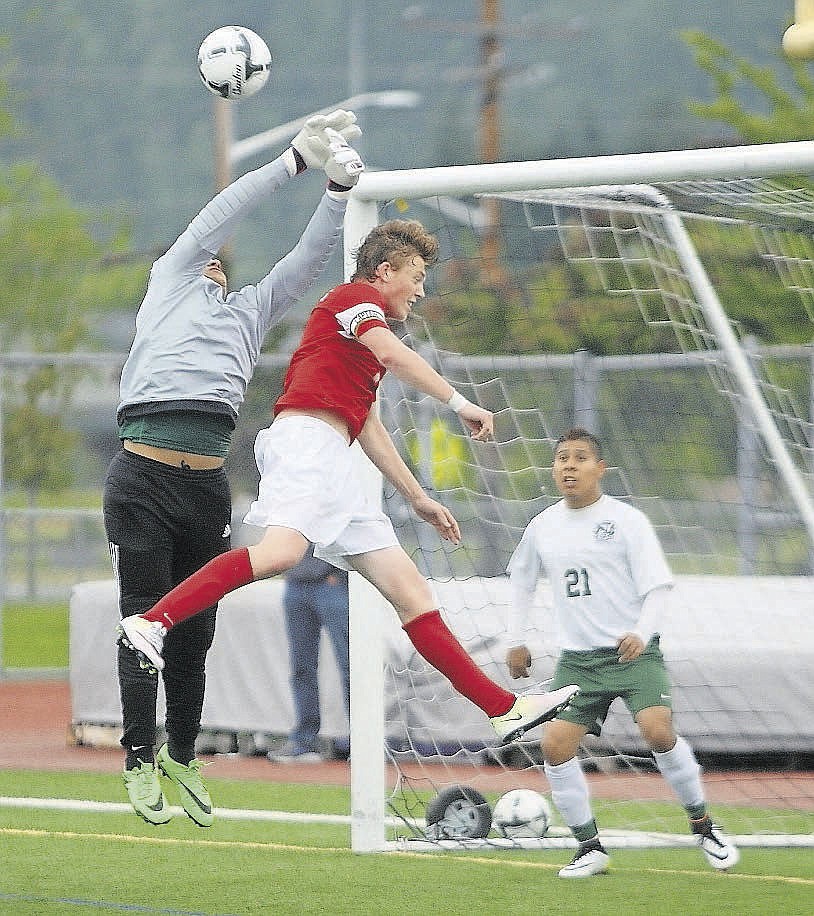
(163, 523)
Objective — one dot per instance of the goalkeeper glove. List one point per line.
(344, 165)
(311, 146)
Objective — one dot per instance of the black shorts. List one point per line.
(163, 523)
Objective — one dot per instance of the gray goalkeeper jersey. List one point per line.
(195, 347)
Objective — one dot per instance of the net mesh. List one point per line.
(527, 337)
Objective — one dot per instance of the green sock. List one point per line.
(585, 832)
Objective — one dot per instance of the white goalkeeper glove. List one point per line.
(312, 144)
(344, 165)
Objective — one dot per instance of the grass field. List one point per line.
(35, 635)
(58, 862)
(72, 862)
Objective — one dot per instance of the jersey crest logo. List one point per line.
(605, 531)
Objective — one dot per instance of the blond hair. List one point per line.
(395, 241)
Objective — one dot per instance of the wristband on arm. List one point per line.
(457, 401)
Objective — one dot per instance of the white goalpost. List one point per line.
(707, 431)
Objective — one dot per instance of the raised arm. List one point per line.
(217, 221)
(413, 369)
(378, 446)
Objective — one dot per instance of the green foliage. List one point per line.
(788, 116)
(56, 283)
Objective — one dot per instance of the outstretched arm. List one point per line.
(378, 446)
(217, 221)
(413, 369)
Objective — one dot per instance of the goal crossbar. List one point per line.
(629, 168)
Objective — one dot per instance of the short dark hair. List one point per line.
(394, 241)
(579, 434)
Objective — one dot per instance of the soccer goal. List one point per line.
(708, 429)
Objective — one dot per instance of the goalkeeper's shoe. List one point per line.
(145, 638)
(718, 849)
(194, 796)
(591, 859)
(144, 792)
(532, 709)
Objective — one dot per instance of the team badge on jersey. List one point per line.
(605, 531)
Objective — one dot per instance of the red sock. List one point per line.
(433, 639)
(203, 588)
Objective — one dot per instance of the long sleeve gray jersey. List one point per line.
(192, 345)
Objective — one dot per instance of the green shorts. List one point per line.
(602, 678)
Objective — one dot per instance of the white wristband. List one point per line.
(290, 162)
(457, 401)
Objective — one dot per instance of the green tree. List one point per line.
(59, 277)
(752, 99)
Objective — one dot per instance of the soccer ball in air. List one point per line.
(521, 813)
(234, 62)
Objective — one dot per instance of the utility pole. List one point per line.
(222, 141)
(491, 68)
(222, 120)
(490, 74)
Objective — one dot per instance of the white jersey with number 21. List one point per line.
(601, 561)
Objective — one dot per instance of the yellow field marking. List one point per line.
(480, 860)
(165, 841)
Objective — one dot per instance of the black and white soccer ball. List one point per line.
(458, 813)
(234, 62)
(522, 813)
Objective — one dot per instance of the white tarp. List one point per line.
(740, 652)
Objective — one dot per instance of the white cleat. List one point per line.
(718, 849)
(145, 638)
(591, 859)
(532, 709)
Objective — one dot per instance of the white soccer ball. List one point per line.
(522, 813)
(234, 62)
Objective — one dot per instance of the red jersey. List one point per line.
(330, 369)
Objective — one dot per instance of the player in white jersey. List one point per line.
(609, 581)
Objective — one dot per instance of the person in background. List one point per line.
(609, 580)
(167, 506)
(315, 597)
(312, 487)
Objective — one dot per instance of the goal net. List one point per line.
(618, 294)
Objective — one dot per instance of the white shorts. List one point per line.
(311, 481)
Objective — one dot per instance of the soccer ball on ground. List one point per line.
(458, 813)
(522, 813)
(234, 62)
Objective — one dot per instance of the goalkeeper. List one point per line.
(167, 506)
(609, 580)
(310, 487)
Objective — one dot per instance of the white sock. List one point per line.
(681, 770)
(569, 792)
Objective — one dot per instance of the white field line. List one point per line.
(234, 814)
(617, 839)
(227, 814)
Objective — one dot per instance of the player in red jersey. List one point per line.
(310, 488)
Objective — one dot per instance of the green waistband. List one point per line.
(596, 655)
(183, 430)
